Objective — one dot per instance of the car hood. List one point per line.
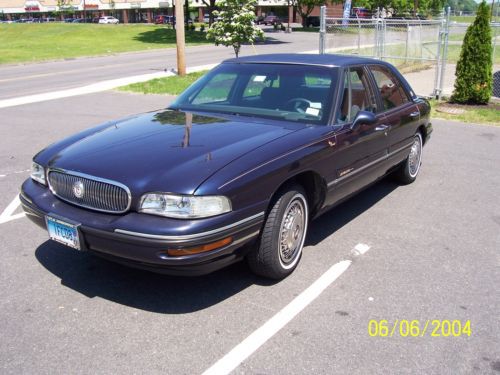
(171, 151)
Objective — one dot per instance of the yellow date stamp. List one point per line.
(419, 328)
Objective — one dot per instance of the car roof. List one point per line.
(327, 60)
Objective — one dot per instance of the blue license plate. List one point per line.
(63, 232)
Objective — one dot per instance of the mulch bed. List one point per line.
(456, 109)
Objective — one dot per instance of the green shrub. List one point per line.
(474, 68)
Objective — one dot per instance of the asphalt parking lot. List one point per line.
(433, 254)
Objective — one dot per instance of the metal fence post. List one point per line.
(445, 52)
(322, 30)
(437, 78)
(359, 35)
(407, 40)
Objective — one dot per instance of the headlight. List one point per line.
(184, 206)
(38, 173)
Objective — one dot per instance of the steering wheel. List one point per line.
(299, 104)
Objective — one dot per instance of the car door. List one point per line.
(360, 150)
(402, 115)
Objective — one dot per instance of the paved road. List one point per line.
(29, 79)
(433, 255)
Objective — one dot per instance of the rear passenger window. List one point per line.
(390, 89)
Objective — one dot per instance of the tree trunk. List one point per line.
(237, 49)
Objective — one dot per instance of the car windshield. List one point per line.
(301, 93)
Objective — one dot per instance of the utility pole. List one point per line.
(180, 37)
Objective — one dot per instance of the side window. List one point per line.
(217, 90)
(356, 95)
(390, 89)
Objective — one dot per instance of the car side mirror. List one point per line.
(363, 118)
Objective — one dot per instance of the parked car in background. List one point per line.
(109, 20)
(312, 21)
(237, 167)
(164, 19)
(78, 20)
(359, 12)
(272, 20)
(69, 20)
(259, 20)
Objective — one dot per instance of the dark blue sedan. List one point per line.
(235, 168)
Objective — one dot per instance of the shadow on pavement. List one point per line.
(96, 277)
(333, 220)
(271, 40)
(164, 36)
(93, 276)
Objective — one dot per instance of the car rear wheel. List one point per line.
(408, 171)
(280, 247)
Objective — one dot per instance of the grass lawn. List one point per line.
(454, 54)
(170, 85)
(462, 19)
(37, 42)
(475, 114)
(429, 49)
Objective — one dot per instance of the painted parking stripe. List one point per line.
(7, 214)
(360, 249)
(253, 342)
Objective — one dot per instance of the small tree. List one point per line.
(210, 7)
(305, 8)
(235, 24)
(474, 68)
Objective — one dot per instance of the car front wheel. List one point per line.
(282, 239)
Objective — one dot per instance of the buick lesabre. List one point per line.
(236, 168)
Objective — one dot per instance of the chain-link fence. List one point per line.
(425, 51)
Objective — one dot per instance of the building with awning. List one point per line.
(127, 11)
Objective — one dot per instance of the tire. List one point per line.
(408, 171)
(280, 247)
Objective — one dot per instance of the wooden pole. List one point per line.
(180, 36)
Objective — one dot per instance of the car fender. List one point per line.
(253, 179)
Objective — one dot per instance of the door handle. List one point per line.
(381, 128)
(415, 114)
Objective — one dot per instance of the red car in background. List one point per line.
(359, 12)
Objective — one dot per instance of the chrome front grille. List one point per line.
(89, 191)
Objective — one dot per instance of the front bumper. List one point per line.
(123, 238)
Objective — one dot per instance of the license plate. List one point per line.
(63, 232)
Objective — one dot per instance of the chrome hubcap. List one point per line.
(414, 157)
(292, 231)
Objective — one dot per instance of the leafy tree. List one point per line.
(211, 7)
(461, 5)
(403, 6)
(474, 68)
(235, 25)
(305, 7)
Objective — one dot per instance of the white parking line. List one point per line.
(243, 350)
(7, 216)
(360, 249)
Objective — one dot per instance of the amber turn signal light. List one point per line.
(200, 249)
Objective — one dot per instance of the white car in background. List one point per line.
(108, 19)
